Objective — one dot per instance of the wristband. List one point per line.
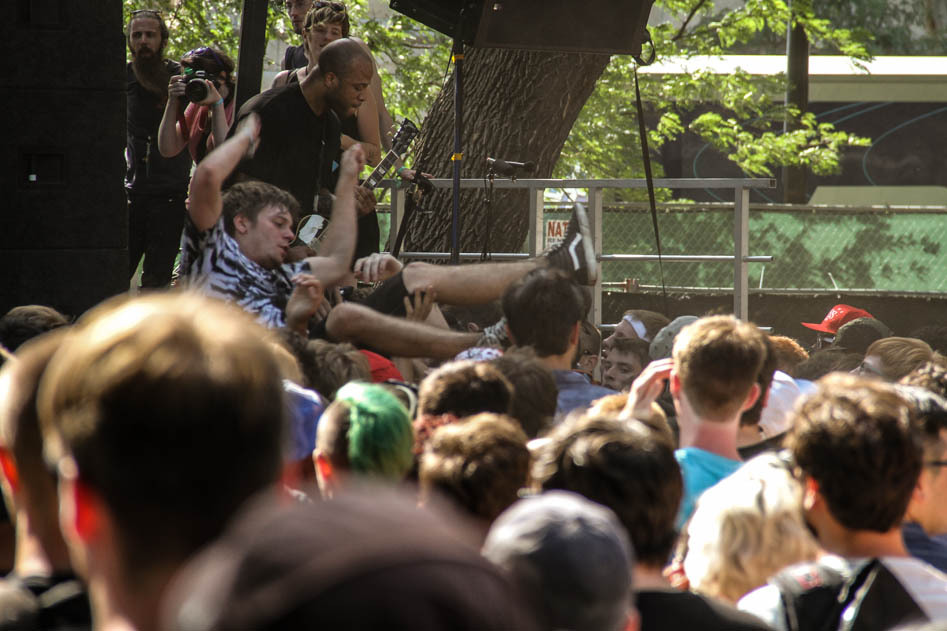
(219, 101)
(400, 169)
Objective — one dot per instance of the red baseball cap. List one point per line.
(836, 317)
(382, 368)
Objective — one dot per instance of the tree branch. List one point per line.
(690, 16)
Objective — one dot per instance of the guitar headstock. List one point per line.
(404, 137)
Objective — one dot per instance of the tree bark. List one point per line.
(518, 105)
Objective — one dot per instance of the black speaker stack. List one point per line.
(63, 225)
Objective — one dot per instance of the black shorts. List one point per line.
(387, 298)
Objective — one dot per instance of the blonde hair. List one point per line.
(899, 355)
(747, 528)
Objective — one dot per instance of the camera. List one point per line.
(195, 89)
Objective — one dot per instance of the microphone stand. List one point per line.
(488, 203)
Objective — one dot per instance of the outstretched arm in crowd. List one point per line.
(335, 255)
(206, 200)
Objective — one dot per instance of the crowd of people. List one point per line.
(293, 437)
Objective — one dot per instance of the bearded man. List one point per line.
(156, 186)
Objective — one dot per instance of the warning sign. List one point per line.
(555, 231)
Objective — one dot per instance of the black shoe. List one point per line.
(575, 254)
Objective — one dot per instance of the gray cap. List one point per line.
(664, 340)
(571, 558)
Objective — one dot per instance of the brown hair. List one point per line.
(171, 407)
(899, 355)
(789, 353)
(324, 13)
(858, 431)
(652, 320)
(931, 376)
(718, 359)
(465, 388)
(250, 198)
(480, 463)
(534, 389)
(331, 366)
(622, 465)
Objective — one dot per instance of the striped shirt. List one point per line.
(213, 264)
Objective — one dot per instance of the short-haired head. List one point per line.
(570, 558)
(789, 353)
(465, 388)
(718, 360)
(481, 463)
(366, 430)
(330, 366)
(857, 431)
(22, 323)
(931, 376)
(170, 408)
(253, 197)
(541, 310)
(340, 56)
(899, 355)
(328, 13)
(765, 380)
(534, 389)
(623, 465)
(148, 14)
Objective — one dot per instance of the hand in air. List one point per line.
(377, 267)
(212, 94)
(249, 128)
(353, 161)
(303, 302)
(647, 387)
(418, 307)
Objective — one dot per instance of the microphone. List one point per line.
(509, 167)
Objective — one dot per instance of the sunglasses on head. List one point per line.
(335, 6)
(149, 12)
(203, 50)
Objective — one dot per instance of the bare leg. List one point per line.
(396, 336)
(467, 284)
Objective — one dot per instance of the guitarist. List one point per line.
(300, 135)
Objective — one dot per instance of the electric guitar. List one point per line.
(312, 228)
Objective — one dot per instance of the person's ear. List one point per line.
(323, 466)
(87, 511)
(751, 397)
(509, 334)
(9, 470)
(675, 383)
(574, 334)
(331, 80)
(241, 223)
(811, 494)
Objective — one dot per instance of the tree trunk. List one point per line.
(518, 105)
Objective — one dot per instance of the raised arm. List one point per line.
(171, 140)
(205, 199)
(338, 245)
(385, 121)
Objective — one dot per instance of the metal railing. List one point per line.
(534, 244)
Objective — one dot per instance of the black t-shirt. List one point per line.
(295, 57)
(147, 170)
(297, 148)
(662, 609)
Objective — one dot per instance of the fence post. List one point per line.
(597, 215)
(534, 241)
(741, 239)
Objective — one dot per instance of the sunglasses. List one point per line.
(203, 50)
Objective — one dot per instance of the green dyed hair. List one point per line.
(380, 436)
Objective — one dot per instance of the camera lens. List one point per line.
(195, 90)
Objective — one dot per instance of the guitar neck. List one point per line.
(378, 173)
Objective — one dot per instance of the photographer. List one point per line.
(206, 84)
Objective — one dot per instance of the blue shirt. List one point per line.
(701, 470)
(924, 547)
(576, 391)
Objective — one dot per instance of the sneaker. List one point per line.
(495, 335)
(575, 254)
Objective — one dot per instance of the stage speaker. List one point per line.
(593, 26)
(63, 229)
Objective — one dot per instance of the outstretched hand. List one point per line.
(249, 128)
(303, 303)
(353, 161)
(647, 387)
